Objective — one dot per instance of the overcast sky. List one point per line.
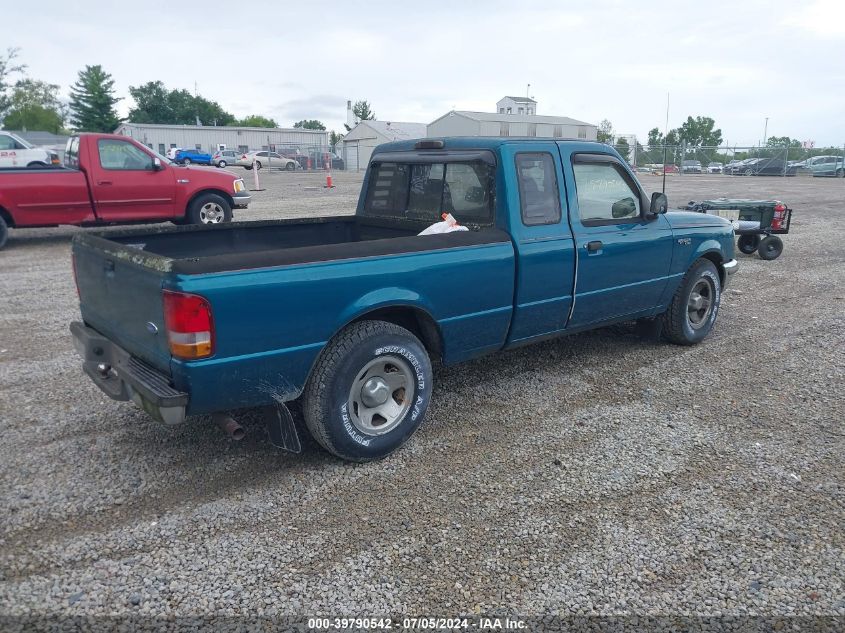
(737, 61)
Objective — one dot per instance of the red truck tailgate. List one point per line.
(121, 298)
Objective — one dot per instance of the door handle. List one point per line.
(593, 246)
(104, 182)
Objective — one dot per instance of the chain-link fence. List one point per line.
(736, 160)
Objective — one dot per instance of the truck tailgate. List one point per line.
(122, 299)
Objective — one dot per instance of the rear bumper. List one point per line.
(241, 200)
(121, 376)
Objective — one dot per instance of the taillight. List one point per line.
(778, 217)
(190, 328)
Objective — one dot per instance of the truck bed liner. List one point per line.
(244, 245)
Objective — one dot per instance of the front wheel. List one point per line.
(290, 166)
(369, 391)
(4, 232)
(221, 164)
(186, 161)
(749, 172)
(770, 247)
(257, 165)
(840, 173)
(748, 243)
(209, 208)
(694, 307)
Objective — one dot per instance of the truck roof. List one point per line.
(485, 142)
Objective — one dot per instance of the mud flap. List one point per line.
(281, 428)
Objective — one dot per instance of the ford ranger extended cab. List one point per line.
(346, 313)
(111, 179)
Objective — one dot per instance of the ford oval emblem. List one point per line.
(152, 328)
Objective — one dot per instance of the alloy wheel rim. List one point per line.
(700, 303)
(381, 395)
(212, 213)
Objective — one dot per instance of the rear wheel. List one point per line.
(221, 164)
(4, 232)
(694, 307)
(290, 166)
(840, 173)
(209, 208)
(369, 391)
(770, 247)
(748, 243)
(257, 164)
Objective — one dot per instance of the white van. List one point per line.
(16, 152)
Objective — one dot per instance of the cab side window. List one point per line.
(604, 195)
(539, 198)
(122, 156)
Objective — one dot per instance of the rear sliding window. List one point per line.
(425, 191)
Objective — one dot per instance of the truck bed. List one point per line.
(244, 245)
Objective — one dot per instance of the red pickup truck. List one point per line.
(110, 179)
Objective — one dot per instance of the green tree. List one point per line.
(154, 103)
(310, 124)
(783, 141)
(699, 132)
(8, 67)
(92, 101)
(623, 148)
(605, 132)
(255, 120)
(362, 111)
(335, 139)
(34, 106)
(655, 138)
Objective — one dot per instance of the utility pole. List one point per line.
(765, 130)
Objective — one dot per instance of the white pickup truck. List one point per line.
(16, 152)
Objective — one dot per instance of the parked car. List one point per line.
(16, 152)
(225, 158)
(262, 159)
(347, 313)
(766, 167)
(691, 167)
(109, 179)
(319, 159)
(189, 156)
(735, 168)
(714, 167)
(827, 166)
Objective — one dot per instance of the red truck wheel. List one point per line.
(4, 232)
(369, 391)
(209, 208)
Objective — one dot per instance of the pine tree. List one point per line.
(92, 101)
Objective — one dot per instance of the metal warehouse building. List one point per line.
(359, 143)
(209, 138)
(463, 123)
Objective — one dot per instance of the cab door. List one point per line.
(126, 184)
(537, 218)
(623, 258)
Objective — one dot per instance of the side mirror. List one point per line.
(659, 204)
(624, 208)
(157, 166)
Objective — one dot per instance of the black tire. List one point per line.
(4, 232)
(222, 164)
(248, 167)
(770, 248)
(840, 173)
(257, 164)
(749, 172)
(679, 324)
(201, 209)
(330, 412)
(186, 161)
(290, 166)
(748, 243)
(36, 165)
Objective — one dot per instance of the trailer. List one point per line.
(757, 223)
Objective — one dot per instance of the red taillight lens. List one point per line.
(778, 217)
(190, 328)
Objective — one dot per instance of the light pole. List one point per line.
(765, 130)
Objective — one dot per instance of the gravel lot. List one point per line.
(600, 473)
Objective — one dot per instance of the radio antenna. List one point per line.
(665, 133)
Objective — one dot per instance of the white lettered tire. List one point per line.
(369, 391)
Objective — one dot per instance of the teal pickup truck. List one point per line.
(347, 313)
